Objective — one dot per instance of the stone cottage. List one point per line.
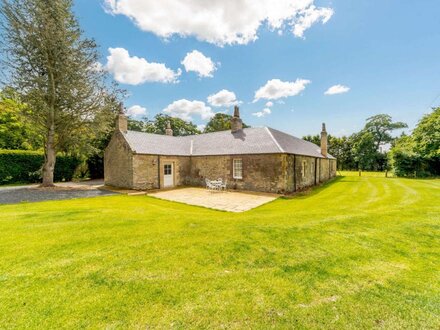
(256, 159)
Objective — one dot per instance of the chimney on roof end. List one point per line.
(169, 130)
(121, 120)
(324, 141)
(236, 122)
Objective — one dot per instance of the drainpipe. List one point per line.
(294, 172)
(316, 165)
(158, 170)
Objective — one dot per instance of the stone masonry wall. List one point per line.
(304, 171)
(148, 175)
(118, 169)
(260, 172)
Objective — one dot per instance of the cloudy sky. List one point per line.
(289, 64)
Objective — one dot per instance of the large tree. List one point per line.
(381, 126)
(220, 122)
(54, 68)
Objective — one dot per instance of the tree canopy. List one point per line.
(15, 131)
(381, 126)
(53, 67)
(220, 122)
(427, 135)
(158, 125)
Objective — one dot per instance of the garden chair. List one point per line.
(210, 186)
(223, 185)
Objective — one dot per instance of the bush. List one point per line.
(95, 164)
(20, 166)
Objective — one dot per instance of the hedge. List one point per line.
(23, 166)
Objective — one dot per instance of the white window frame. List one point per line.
(237, 168)
(304, 168)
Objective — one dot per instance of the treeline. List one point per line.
(374, 148)
(157, 125)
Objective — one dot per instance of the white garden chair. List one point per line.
(210, 185)
(223, 185)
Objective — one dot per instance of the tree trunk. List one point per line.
(49, 158)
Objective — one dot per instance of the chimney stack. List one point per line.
(121, 121)
(236, 122)
(168, 130)
(324, 141)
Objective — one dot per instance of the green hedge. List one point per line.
(413, 165)
(22, 166)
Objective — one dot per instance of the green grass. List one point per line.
(359, 253)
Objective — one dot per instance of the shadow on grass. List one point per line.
(312, 191)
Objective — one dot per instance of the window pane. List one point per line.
(237, 169)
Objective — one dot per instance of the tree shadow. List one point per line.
(312, 191)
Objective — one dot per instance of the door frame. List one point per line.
(173, 173)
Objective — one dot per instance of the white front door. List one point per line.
(168, 175)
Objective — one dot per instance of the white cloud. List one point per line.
(224, 98)
(136, 110)
(134, 70)
(269, 104)
(197, 62)
(310, 16)
(220, 22)
(275, 89)
(201, 127)
(185, 110)
(264, 112)
(337, 89)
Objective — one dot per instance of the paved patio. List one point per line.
(226, 201)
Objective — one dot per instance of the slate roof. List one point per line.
(258, 140)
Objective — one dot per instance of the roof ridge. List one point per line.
(273, 138)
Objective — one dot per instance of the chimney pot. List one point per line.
(169, 130)
(324, 141)
(121, 121)
(236, 122)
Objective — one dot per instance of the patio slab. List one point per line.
(230, 201)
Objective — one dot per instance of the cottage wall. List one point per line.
(148, 170)
(118, 163)
(260, 172)
(304, 171)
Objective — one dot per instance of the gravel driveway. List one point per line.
(13, 195)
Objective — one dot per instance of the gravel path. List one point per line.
(13, 195)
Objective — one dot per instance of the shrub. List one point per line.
(95, 164)
(20, 166)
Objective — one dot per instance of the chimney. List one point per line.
(324, 141)
(236, 122)
(168, 130)
(121, 121)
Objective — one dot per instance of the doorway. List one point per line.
(168, 175)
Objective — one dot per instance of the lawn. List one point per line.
(358, 253)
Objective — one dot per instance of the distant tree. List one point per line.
(316, 139)
(380, 126)
(427, 135)
(342, 149)
(364, 150)
(339, 147)
(54, 68)
(220, 122)
(137, 125)
(15, 131)
(159, 124)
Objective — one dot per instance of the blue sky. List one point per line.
(386, 52)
